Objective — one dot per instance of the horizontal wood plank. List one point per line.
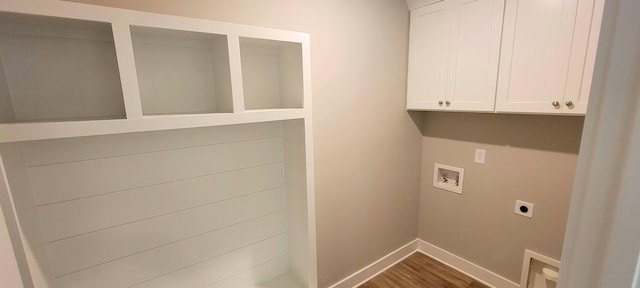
(83, 251)
(62, 220)
(219, 246)
(222, 267)
(68, 181)
(256, 275)
(45, 152)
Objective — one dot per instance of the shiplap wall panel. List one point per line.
(196, 207)
(76, 253)
(220, 268)
(258, 274)
(163, 261)
(60, 220)
(45, 152)
(73, 180)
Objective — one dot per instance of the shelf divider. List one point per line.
(127, 66)
(235, 67)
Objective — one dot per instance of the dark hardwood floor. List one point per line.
(421, 271)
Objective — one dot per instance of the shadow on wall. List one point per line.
(418, 119)
(537, 132)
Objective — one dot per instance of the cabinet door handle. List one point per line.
(448, 102)
(568, 103)
(555, 103)
(440, 102)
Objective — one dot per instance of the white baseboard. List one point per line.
(481, 274)
(375, 268)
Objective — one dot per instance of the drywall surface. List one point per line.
(529, 158)
(367, 147)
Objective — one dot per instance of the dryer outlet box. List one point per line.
(524, 209)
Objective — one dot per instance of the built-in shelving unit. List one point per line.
(69, 66)
(146, 150)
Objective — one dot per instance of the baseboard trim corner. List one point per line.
(454, 261)
(464, 266)
(365, 274)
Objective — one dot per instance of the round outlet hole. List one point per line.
(524, 209)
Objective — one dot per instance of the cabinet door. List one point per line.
(586, 34)
(476, 28)
(536, 55)
(428, 54)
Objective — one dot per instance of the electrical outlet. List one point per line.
(480, 155)
(524, 209)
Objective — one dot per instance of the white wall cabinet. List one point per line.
(145, 150)
(545, 50)
(453, 55)
(547, 58)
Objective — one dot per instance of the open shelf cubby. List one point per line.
(57, 69)
(271, 74)
(182, 72)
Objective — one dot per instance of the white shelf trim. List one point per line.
(127, 67)
(15, 132)
(138, 18)
(235, 70)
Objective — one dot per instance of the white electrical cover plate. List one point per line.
(480, 156)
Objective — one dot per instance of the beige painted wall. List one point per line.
(529, 158)
(366, 146)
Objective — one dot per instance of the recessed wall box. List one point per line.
(448, 177)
